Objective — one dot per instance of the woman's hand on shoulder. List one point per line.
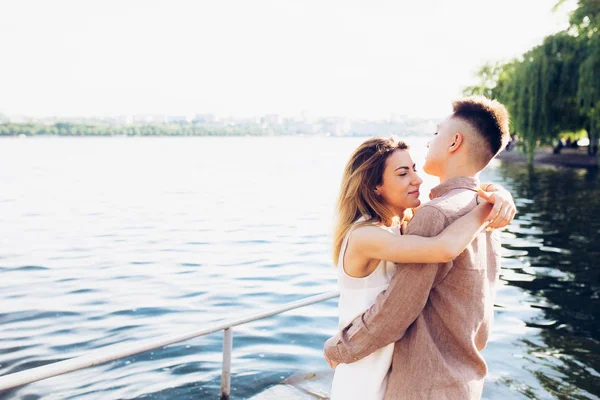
(504, 209)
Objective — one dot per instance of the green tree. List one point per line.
(554, 87)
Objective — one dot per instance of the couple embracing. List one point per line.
(417, 291)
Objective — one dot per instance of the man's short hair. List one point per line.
(489, 118)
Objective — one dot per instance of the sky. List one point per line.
(347, 58)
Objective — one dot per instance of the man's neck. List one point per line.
(451, 173)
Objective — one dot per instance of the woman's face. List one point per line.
(400, 184)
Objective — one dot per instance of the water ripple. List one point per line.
(144, 249)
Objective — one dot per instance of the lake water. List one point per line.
(107, 240)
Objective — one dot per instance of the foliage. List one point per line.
(553, 87)
(488, 77)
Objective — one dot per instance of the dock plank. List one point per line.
(300, 386)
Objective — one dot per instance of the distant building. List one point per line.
(205, 118)
(178, 119)
(48, 121)
(272, 119)
(295, 127)
(143, 119)
(335, 126)
(20, 119)
(121, 119)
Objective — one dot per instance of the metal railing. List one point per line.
(118, 351)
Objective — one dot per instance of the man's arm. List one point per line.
(395, 308)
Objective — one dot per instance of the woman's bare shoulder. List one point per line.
(367, 235)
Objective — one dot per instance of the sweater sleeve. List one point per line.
(397, 307)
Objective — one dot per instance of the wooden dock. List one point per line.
(300, 386)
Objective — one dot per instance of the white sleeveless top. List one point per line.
(365, 379)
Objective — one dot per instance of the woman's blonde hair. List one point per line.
(362, 174)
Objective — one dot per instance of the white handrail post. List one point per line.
(226, 373)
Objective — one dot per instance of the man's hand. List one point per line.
(331, 363)
(504, 207)
(328, 345)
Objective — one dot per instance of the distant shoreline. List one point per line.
(213, 134)
(216, 135)
(577, 158)
(257, 127)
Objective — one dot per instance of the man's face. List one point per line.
(437, 155)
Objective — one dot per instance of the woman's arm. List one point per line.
(504, 210)
(375, 243)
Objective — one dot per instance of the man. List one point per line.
(439, 315)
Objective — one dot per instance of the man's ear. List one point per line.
(457, 140)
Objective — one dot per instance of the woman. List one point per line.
(380, 187)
